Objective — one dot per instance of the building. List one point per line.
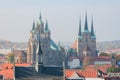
(2, 59)
(75, 62)
(85, 45)
(6, 51)
(102, 61)
(53, 54)
(91, 74)
(20, 56)
(39, 71)
(7, 70)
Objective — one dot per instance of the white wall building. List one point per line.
(74, 63)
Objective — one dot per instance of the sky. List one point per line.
(16, 18)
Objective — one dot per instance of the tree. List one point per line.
(10, 57)
(104, 54)
(113, 69)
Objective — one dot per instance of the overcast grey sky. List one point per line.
(16, 17)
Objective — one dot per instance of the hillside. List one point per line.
(108, 45)
(9, 44)
(102, 46)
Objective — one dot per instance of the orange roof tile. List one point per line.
(89, 73)
(7, 70)
(68, 73)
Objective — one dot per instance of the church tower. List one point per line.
(41, 33)
(93, 39)
(80, 40)
(86, 44)
(31, 45)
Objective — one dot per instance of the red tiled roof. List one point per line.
(89, 73)
(7, 70)
(101, 59)
(68, 73)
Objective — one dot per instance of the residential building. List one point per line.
(20, 56)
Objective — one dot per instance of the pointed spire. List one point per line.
(92, 29)
(40, 18)
(80, 30)
(46, 27)
(86, 24)
(33, 28)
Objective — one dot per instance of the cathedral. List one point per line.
(85, 45)
(83, 48)
(53, 55)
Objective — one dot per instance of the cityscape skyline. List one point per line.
(63, 18)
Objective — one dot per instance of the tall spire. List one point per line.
(46, 27)
(86, 24)
(92, 29)
(40, 18)
(33, 27)
(80, 30)
(39, 51)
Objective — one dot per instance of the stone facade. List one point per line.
(52, 53)
(85, 45)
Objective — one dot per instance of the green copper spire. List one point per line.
(92, 29)
(46, 27)
(33, 28)
(86, 24)
(80, 31)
